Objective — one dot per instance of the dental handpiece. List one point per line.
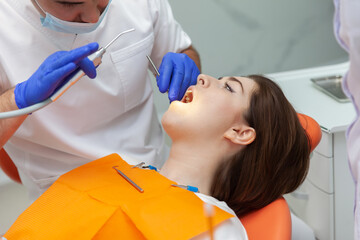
(95, 58)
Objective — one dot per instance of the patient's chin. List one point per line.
(172, 122)
(166, 120)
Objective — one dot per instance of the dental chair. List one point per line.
(273, 222)
(8, 166)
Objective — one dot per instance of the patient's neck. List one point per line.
(188, 165)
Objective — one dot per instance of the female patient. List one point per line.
(235, 139)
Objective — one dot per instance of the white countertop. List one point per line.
(332, 115)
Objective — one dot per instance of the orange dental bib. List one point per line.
(94, 202)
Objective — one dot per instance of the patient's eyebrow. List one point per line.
(234, 80)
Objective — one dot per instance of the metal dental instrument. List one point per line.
(156, 73)
(153, 66)
(95, 58)
(128, 180)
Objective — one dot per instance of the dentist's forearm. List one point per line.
(9, 126)
(193, 54)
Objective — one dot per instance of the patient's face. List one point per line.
(210, 107)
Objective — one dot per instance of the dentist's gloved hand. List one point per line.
(177, 73)
(52, 73)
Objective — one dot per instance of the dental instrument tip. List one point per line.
(122, 33)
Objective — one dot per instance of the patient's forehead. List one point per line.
(247, 84)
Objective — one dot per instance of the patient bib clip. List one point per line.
(141, 165)
(187, 187)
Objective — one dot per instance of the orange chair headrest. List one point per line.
(312, 129)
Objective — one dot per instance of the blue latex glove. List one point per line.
(52, 73)
(177, 73)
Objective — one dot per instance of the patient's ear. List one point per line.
(243, 136)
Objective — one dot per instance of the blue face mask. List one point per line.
(59, 25)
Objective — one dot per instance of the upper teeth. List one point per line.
(188, 96)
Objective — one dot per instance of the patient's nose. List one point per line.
(203, 80)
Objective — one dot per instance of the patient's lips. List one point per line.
(188, 97)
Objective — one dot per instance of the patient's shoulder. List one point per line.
(229, 229)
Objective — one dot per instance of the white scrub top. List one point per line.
(113, 113)
(347, 31)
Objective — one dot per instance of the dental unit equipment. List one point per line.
(95, 58)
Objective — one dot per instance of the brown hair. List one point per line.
(275, 163)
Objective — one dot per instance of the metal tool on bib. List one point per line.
(129, 180)
(95, 58)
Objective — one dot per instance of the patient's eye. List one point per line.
(228, 87)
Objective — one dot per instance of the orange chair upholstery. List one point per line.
(273, 222)
(270, 222)
(312, 129)
(8, 166)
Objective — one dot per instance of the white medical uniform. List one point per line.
(113, 113)
(231, 229)
(347, 31)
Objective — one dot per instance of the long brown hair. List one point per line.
(275, 163)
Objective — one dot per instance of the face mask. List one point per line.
(59, 25)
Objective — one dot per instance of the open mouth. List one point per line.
(188, 97)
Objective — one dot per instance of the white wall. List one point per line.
(238, 37)
(3, 178)
(259, 36)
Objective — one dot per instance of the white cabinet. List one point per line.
(325, 200)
